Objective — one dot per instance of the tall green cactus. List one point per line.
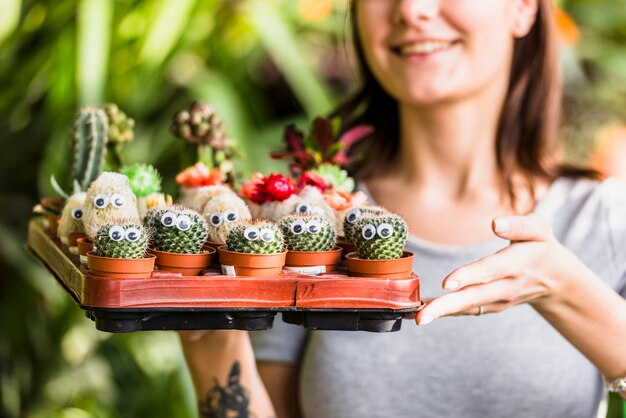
(90, 139)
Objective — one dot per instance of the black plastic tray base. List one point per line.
(116, 320)
(346, 321)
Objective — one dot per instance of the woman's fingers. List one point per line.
(530, 227)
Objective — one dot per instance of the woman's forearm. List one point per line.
(591, 316)
(224, 374)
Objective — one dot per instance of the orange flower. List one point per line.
(566, 27)
(340, 199)
(199, 175)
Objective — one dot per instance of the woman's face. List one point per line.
(425, 52)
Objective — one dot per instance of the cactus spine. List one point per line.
(256, 237)
(308, 233)
(380, 237)
(176, 229)
(90, 140)
(121, 239)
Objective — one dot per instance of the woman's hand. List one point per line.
(533, 269)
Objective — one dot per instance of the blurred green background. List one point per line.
(262, 64)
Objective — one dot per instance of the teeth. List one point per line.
(424, 47)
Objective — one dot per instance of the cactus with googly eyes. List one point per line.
(176, 229)
(72, 217)
(222, 213)
(380, 237)
(355, 214)
(121, 239)
(256, 237)
(308, 233)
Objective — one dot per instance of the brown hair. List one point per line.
(527, 137)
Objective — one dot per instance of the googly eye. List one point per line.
(101, 201)
(251, 233)
(168, 219)
(230, 216)
(183, 223)
(303, 208)
(313, 226)
(118, 200)
(298, 226)
(368, 232)
(133, 234)
(216, 219)
(384, 230)
(77, 213)
(353, 215)
(117, 233)
(267, 235)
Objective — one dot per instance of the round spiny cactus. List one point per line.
(121, 239)
(308, 233)
(380, 237)
(256, 237)
(176, 229)
(143, 179)
(354, 215)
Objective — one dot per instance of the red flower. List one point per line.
(253, 189)
(309, 178)
(279, 187)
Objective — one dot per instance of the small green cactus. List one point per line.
(176, 229)
(380, 237)
(143, 179)
(256, 237)
(120, 125)
(308, 233)
(90, 145)
(354, 215)
(121, 239)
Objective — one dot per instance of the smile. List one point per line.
(423, 47)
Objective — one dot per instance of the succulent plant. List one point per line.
(144, 179)
(308, 233)
(108, 198)
(354, 215)
(90, 146)
(120, 125)
(121, 239)
(380, 237)
(176, 229)
(222, 213)
(72, 217)
(200, 125)
(256, 237)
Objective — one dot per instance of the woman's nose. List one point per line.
(414, 11)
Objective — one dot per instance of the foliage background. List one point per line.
(262, 64)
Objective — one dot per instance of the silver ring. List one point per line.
(480, 310)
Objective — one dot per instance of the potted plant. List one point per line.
(222, 213)
(380, 241)
(120, 251)
(71, 226)
(145, 182)
(310, 241)
(253, 248)
(178, 235)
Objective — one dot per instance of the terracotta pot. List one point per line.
(313, 262)
(72, 241)
(346, 247)
(53, 222)
(400, 268)
(185, 264)
(121, 268)
(84, 245)
(211, 244)
(244, 264)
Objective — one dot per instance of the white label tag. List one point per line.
(83, 259)
(308, 270)
(74, 250)
(228, 270)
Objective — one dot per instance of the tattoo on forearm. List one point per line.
(230, 401)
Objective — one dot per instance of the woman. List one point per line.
(464, 96)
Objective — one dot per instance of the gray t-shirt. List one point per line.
(511, 364)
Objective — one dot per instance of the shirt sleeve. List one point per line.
(616, 219)
(283, 343)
